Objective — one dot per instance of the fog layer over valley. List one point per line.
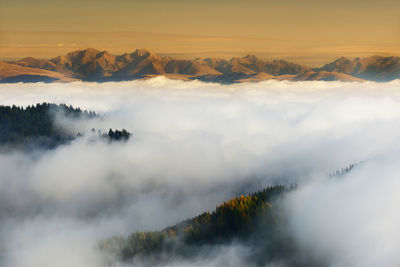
(195, 145)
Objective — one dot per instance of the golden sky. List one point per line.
(305, 31)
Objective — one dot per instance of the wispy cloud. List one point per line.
(195, 145)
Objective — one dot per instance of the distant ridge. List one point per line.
(94, 65)
(375, 68)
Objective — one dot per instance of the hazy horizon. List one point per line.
(309, 32)
(316, 60)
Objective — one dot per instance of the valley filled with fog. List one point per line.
(195, 145)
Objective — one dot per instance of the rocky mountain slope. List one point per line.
(94, 65)
(376, 68)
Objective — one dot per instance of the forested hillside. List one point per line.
(253, 220)
(35, 125)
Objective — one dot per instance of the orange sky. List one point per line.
(305, 31)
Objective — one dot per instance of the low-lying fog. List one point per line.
(195, 145)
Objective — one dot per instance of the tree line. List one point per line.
(22, 126)
(238, 218)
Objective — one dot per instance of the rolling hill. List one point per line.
(16, 72)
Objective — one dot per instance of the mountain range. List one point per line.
(100, 66)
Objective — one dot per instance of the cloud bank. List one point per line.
(195, 145)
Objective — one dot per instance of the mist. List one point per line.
(195, 145)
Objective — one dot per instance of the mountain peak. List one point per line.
(85, 54)
(342, 60)
(87, 51)
(142, 52)
(94, 65)
(90, 50)
(251, 57)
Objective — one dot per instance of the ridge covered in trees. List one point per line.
(251, 219)
(255, 220)
(34, 124)
(344, 170)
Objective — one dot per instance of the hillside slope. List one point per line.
(20, 73)
(253, 220)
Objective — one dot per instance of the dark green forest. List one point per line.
(34, 124)
(253, 220)
(118, 135)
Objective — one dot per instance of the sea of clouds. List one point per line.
(195, 145)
